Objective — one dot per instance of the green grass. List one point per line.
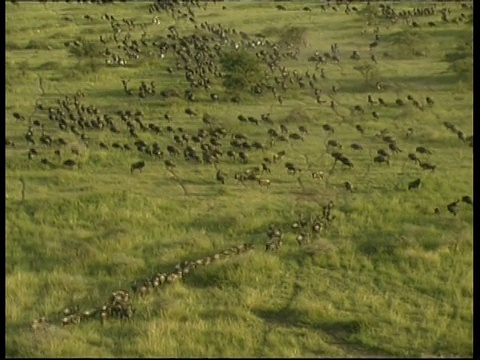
(388, 277)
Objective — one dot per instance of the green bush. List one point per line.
(369, 12)
(241, 68)
(369, 72)
(293, 35)
(463, 68)
(461, 61)
(409, 43)
(461, 52)
(37, 45)
(85, 50)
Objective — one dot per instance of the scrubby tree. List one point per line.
(369, 72)
(461, 61)
(293, 35)
(242, 70)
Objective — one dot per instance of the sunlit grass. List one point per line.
(389, 277)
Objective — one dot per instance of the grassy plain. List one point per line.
(387, 278)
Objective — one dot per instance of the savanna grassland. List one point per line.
(387, 271)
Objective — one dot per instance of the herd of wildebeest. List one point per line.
(197, 58)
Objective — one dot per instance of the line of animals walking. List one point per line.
(305, 229)
(119, 305)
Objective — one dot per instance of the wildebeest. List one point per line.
(327, 128)
(264, 182)
(381, 159)
(427, 166)
(422, 150)
(360, 129)
(169, 164)
(220, 177)
(467, 200)
(415, 184)
(139, 165)
(453, 207)
(413, 157)
(356, 147)
(69, 163)
(348, 186)
(317, 175)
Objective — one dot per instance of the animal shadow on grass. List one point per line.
(339, 329)
(209, 278)
(213, 222)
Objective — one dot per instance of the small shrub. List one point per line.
(408, 42)
(37, 45)
(369, 12)
(293, 35)
(85, 50)
(49, 65)
(289, 35)
(297, 115)
(461, 61)
(13, 45)
(461, 52)
(83, 68)
(463, 68)
(369, 72)
(241, 68)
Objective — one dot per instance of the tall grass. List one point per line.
(388, 278)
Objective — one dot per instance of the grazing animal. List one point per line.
(317, 175)
(301, 238)
(69, 163)
(356, 147)
(220, 177)
(327, 128)
(348, 186)
(264, 182)
(422, 150)
(169, 164)
(415, 184)
(413, 157)
(427, 166)
(381, 159)
(334, 143)
(265, 168)
(360, 129)
(394, 148)
(190, 112)
(346, 161)
(467, 200)
(139, 165)
(453, 207)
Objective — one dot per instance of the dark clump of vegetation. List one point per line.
(293, 35)
(369, 72)
(287, 35)
(461, 61)
(83, 50)
(369, 12)
(409, 42)
(297, 115)
(242, 70)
